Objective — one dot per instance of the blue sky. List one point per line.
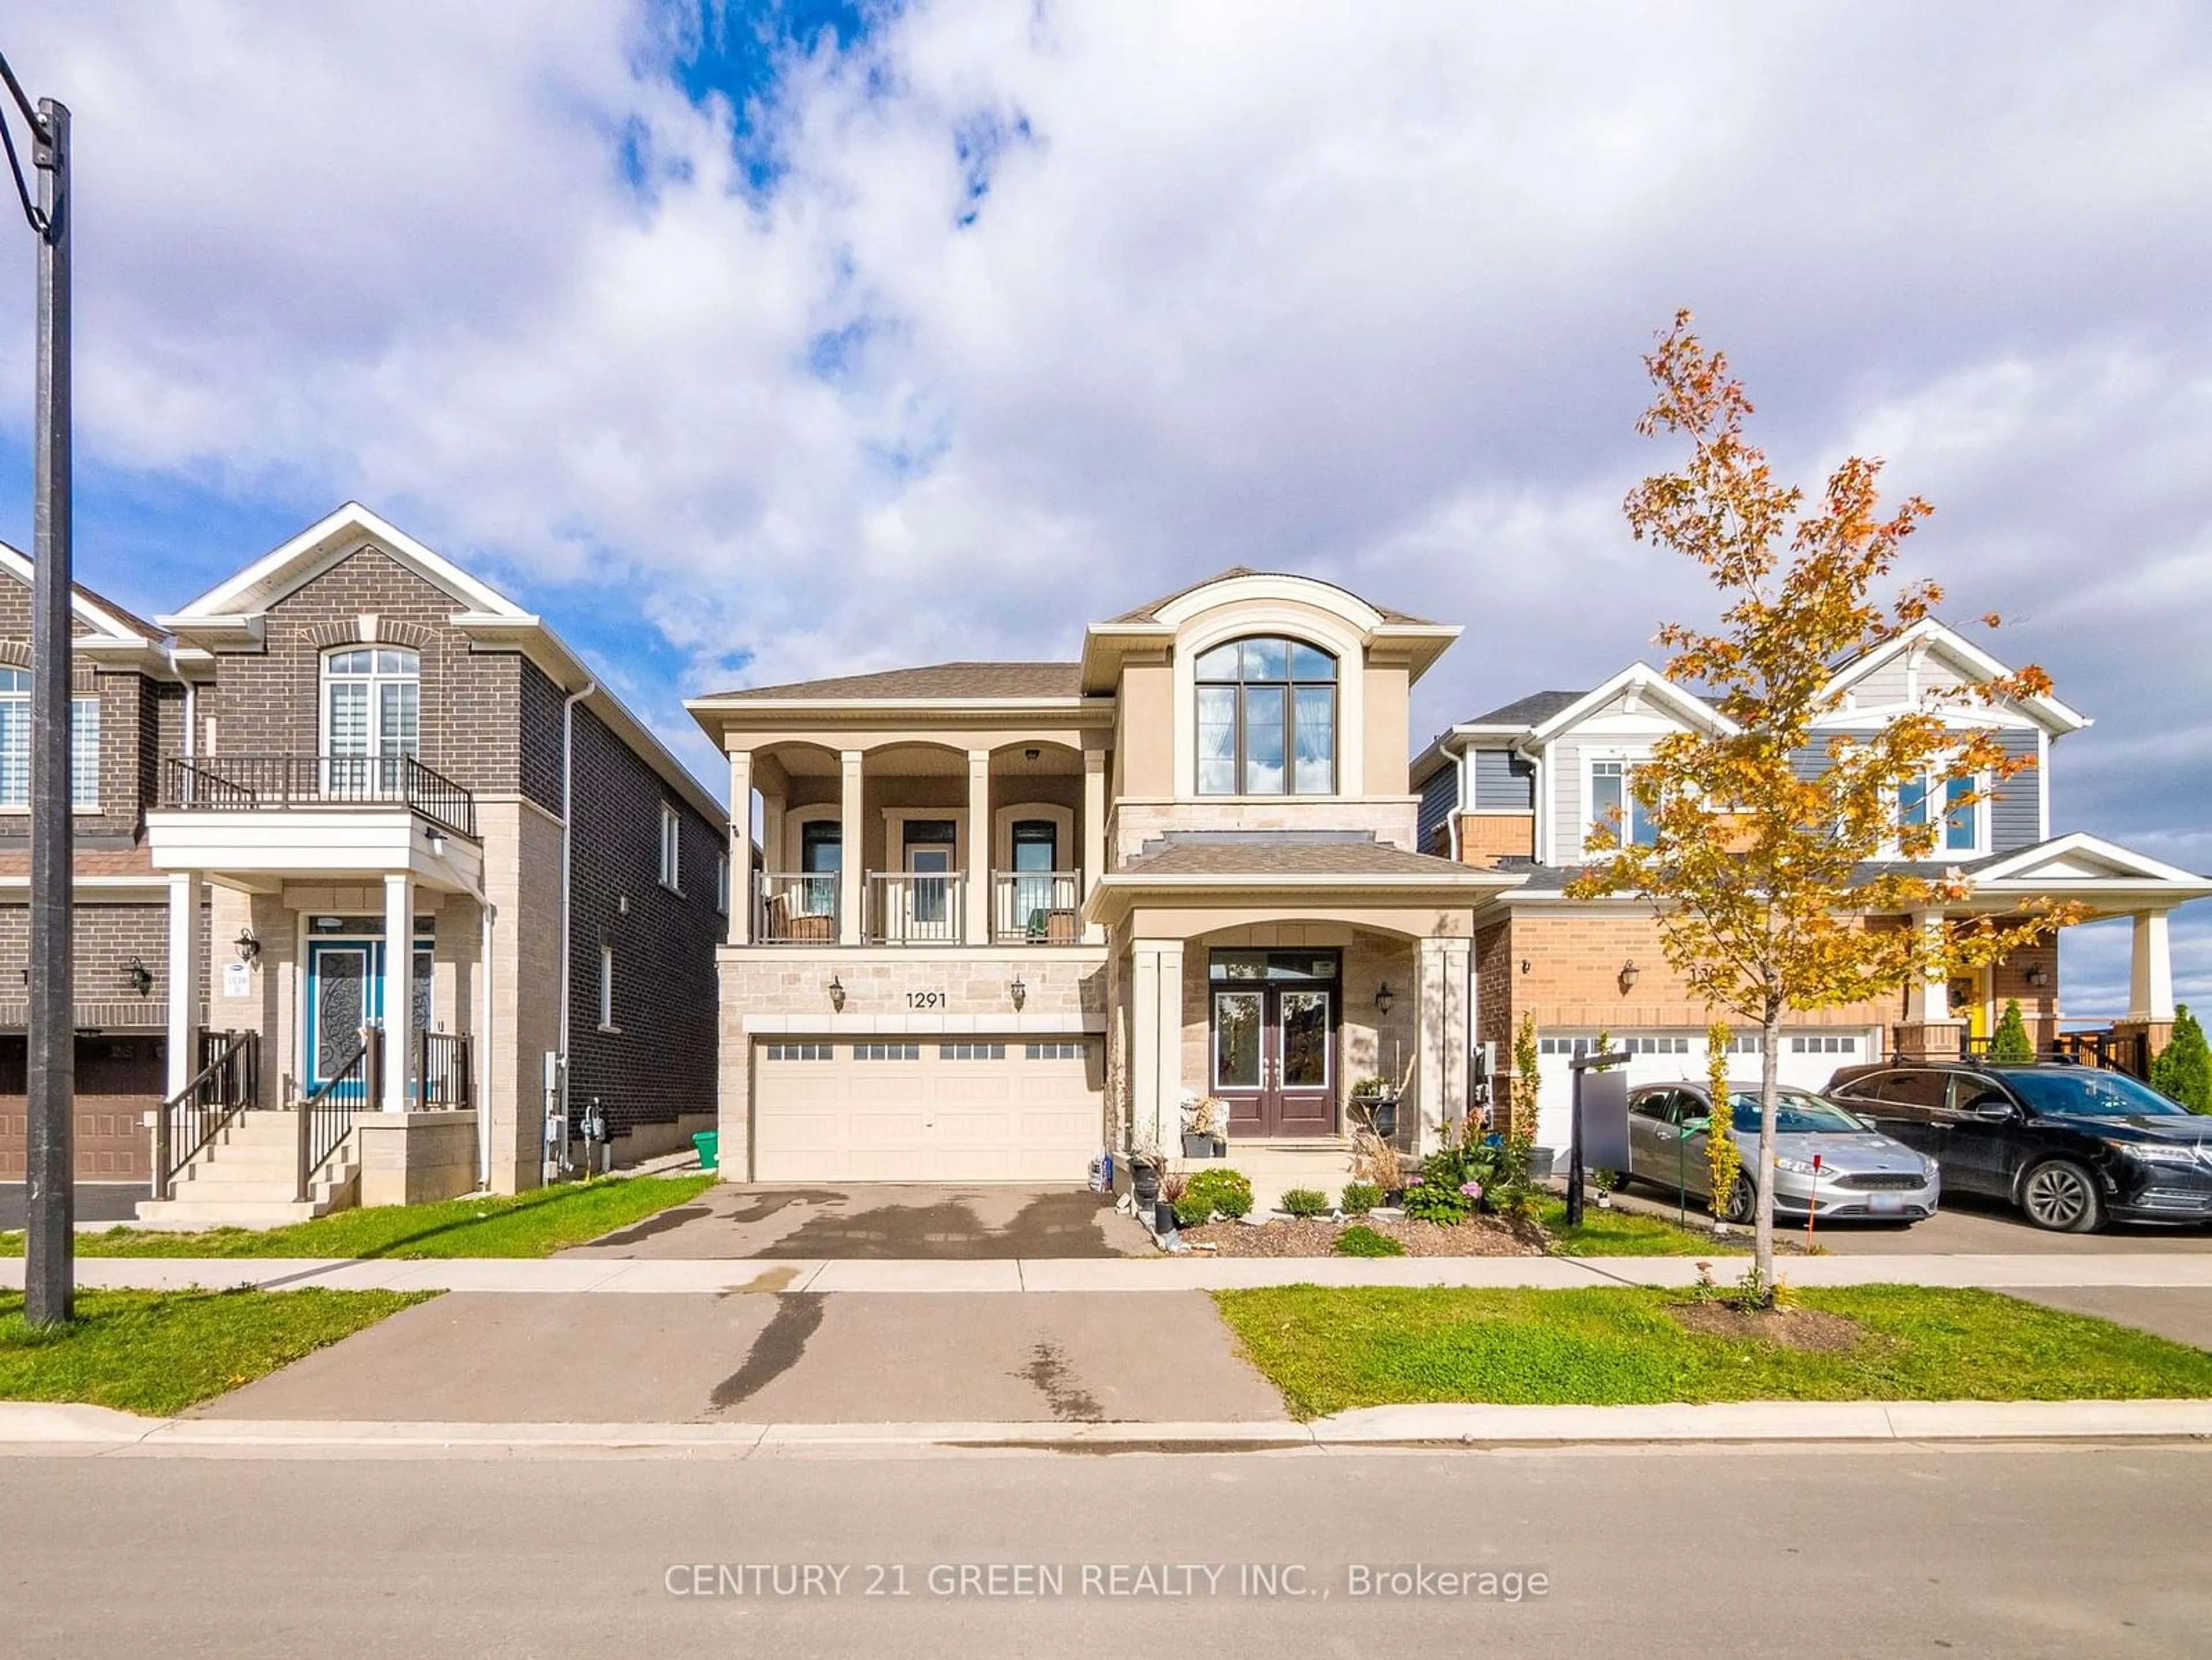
(753, 342)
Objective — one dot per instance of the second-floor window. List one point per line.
(672, 849)
(1920, 800)
(1614, 810)
(372, 716)
(15, 743)
(1266, 719)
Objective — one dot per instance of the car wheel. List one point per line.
(2059, 1195)
(1742, 1201)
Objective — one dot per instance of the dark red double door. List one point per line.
(1274, 1056)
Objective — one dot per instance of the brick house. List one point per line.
(351, 741)
(1527, 789)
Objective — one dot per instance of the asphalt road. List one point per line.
(2019, 1553)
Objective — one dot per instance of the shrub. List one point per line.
(2010, 1041)
(1304, 1202)
(2183, 1070)
(1360, 1197)
(1363, 1241)
(1427, 1202)
(1211, 1190)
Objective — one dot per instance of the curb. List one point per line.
(34, 1428)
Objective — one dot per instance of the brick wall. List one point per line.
(127, 705)
(1485, 839)
(660, 1062)
(106, 938)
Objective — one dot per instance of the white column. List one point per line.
(979, 848)
(1441, 1034)
(772, 811)
(1928, 998)
(2150, 978)
(741, 847)
(399, 987)
(850, 883)
(1156, 1040)
(1094, 833)
(186, 891)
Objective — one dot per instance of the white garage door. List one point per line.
(901, 1109)
(1808, 1059)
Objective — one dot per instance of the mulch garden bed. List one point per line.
(1479, 1235)
(1807, 1329)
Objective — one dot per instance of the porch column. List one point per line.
(187, 890)
(2150, 978)
(399, 987)
(772, 811)
(1155, 1040)
(1442, 1034)
(1928, 998)
(851, 886)
(979, 848)
(741, 848)
(1094, 834)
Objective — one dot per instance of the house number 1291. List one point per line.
(925, 1000)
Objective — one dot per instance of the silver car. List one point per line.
(1826, 1160)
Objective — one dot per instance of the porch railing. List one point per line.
(1036, 907)
(2115, 1051)
(442, 1071)
(916, 908)
(247, 783)
(325, 1117)
(798, 909)
(228, 1082)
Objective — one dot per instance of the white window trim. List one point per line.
(375, 704)
(1064, 854)
(1937, 777)
(607, 987)
(795, 820)
(722, 884)
(1629, 761)
(671, 849)
(77, 805)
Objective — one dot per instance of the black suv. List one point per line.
(2070, 1145)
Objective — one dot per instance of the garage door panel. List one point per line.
(951, 1115)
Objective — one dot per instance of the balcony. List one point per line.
(918, 907)
(250, 783)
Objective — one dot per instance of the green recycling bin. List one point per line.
(709, 1143)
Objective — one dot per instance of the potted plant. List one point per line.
(1205, 1126)
(1146, 1167)
(1377, 1101)
(1174, 1184)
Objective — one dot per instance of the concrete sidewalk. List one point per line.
(573, 1274)
(27, 1429)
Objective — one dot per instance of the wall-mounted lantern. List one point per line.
(140, 977)
(1384, 997)
(249, 947)
(1021, 993)
(1629, 974)
(837, 989)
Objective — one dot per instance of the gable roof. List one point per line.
(1930, 634)
(932, 683)
(115, 634)
(1523, 712)
(1640, 678)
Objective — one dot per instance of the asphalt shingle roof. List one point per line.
(1268, 855)
(1530, 711)
(935, 680)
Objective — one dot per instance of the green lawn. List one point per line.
(1329, 1350)
(525, 1225)
(159, 1352)
(1617, 1232)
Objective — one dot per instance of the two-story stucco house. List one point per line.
(367, 859)
(1013, 912)
(1537, 788)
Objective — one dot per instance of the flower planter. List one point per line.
(1163, 1216)
(1143, 1182)
(1394, 1199)
(1204, 1146)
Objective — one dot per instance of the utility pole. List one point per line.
(49, 1277)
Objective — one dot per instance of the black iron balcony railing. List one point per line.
(235, 783)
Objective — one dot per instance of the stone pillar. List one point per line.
(188, 888)
(399, 987)
(1443, 1035)
(1156, 1040)
(978, 928)
(2150, 978)
(851, 884)
(1094, 834)
(741, 848)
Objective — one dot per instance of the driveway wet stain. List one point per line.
(1057, 1224)
(768, 1280)
(1049, 1371)
(798, 1317)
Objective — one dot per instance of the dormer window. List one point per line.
(1266, 719)
(1961, 831)
(372, 717)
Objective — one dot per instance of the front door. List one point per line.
(345, 997)
(1275, 1050)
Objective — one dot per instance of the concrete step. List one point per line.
(187, 1215)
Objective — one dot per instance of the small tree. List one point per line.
(2011, 1041)
(1723, 1158)
(2183, 1069)
(1755, 867)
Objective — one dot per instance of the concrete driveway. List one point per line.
(939, 1223)
(1962, 1227)
(852, 1357)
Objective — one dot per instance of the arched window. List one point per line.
(1266, 719)
(372, 716)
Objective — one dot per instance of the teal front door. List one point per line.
(345, 996)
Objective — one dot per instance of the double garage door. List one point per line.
(1808, 1058)
(906, 1110)
(119, 1081)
